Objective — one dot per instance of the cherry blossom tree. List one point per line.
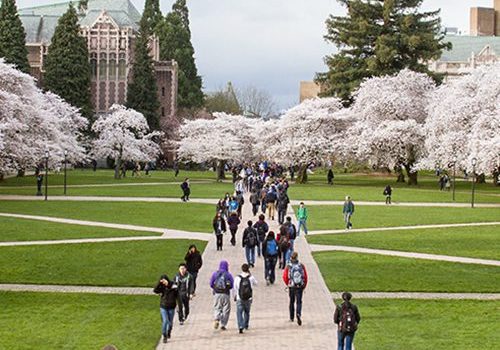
(391, 112)
(464, 122)
(124, 135)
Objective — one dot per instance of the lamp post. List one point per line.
(65, 170)
(46, 173)
(474, 162)
(454, 175)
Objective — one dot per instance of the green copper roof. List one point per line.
(464, 46)
(40, 21)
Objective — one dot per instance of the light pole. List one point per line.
(65, 168)
(454, 174)
(474, 162)
(46, 173)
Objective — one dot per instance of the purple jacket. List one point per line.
(223, 266)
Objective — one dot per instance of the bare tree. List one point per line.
(256, 102)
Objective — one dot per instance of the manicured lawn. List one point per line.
(475, 242)
(323, 217)
(374, 273)
(101, 264)
(78, 321)
(427, 324)
(14, 229)
(183, 216)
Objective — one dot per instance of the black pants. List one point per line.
(233, 236)
(195, 276)
(281, 216)
(219, 242)
(295, 295)
(185, 196)
(255, 209)
(183, 307)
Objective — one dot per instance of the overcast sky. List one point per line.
(271, 44)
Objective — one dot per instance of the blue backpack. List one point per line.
(272, 247)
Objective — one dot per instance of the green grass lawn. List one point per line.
(137, 264)
(78, 321)
(475, 242)
(376, 273)
(14, 229)
(329, 217)
(182, 216)
(427, 324)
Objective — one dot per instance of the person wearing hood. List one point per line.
(168, 301)
(243, 293)
(221, 283)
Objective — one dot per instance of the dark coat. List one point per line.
(168, 295)
(193, 261)
(338, 313)
(222, 225)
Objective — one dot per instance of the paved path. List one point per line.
(422, 296)
(400, 204)
(326, 248)
(399, 228)
(269, 324)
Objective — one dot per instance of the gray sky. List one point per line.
(271, 44)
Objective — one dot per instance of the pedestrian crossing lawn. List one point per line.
(376, 273)
(330, 217)
(15, 229)
(182, 216)
(474, 241)
(391, 324)
(135, 264)
(48, 321)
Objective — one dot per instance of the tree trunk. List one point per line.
(412, 175)
(2, 176)
(219, 170)
(401, 177)
(21, 172)
(481, 178)
(302, 174)
(118, 164)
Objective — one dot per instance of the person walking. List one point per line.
(186, 190)
(295, 278)
(250, 241)
(241, 200)
(243, 295)
(185, 287)
(262, 227)
(255, 201)
(284, 245)
(233, 205)
(168, 301)
(388, 194)
(291, 230)
(348, 211)
(347, 318)
(271, 203)
(302, 215)
(330, 176)
(283, 202)
(194, 262)
(233, 221)
(270, 251)
(221, 283)
(219, 226)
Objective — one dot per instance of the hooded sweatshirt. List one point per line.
(223, 268)
(168, 294)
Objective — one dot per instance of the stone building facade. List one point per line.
(110, 28)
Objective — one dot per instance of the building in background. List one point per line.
(110, 27)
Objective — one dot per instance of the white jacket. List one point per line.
(237, 279)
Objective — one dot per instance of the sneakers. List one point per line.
(222, 328)
(181, 323)
(241, 330)
(299, 321)
(169, 334)
(216, 324)
(164, 338)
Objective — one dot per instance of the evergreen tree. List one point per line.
(376, 38)
(67, 68)
(13, 37)
(175, 44)
(224, 100)
(151, 16)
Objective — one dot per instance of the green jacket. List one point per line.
(302, 213)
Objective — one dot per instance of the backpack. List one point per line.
(347, 322)
(251, 238)
(284, 243)
(245, 290)
(296, 275)
(261, 230)
(270, 197)
(272, 247)
(292, 231)
(222, 284)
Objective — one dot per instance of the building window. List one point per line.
(112, 66)
(163, 91)
(123, 43)
(103, 43)
(93, 65)
(122, 66)
(162, 111)
(93, 43)
(102, 66)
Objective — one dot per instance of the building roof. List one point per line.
(464, 46)
(40, 21)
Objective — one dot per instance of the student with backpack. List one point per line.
(233, 205)
(270, 202)
(241, 200)
(262, 227)
(292, 235)
(243, 290)
(168, 301)
(347, 318)
(295, 278)
(284, 245)
(250, 241)
(255, 201)
(283, 202)
(233, 221)
(186, 190)
(219, 225)
(221, 283)
(270, 251)
(185, 286)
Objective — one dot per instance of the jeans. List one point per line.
(282, 258)
(250, 255)
(167, 320)
(295, 295)
(183, 307)
(263, 206)
(222, 308)
(270, 266)
(289, 252)
(260, 247)
(243, 313)
(302, 223)
(195, 276)
(281, 216)
(347, 220)
(344, 338)
(255, 209)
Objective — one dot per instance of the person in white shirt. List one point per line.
(243, 295)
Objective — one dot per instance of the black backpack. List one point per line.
(245, 290)
(261, 230)
(251, 238)
(348, 323)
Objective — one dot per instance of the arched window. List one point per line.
(122, 66)
(112, 66)
(103, 63)
(93, 65)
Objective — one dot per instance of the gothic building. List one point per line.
(110, 27)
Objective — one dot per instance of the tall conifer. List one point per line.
(13, 37)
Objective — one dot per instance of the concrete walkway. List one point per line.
(422, 296)
(399, 228)
(270, 327)
(326, 248)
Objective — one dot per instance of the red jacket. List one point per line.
(286, 278)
